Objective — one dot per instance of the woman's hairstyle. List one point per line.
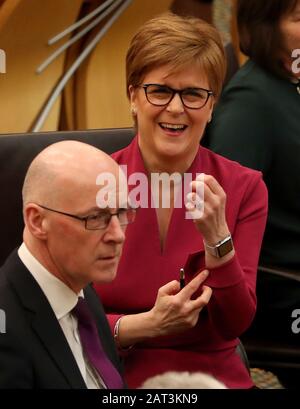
(259, 32)
(179, 42)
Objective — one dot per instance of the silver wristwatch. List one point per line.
(222, 248)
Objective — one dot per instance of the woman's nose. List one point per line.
(175, 105)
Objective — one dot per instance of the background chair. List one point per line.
(266, 342)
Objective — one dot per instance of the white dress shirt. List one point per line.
(62, 300)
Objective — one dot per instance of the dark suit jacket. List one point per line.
(34, 352)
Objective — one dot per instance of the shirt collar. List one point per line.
(61, 298)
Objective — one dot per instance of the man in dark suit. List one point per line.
(69, 242)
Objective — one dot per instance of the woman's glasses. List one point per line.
(161, 95)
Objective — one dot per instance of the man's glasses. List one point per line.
(101, 220)
(161, 95)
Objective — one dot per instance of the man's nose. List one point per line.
(115, 231)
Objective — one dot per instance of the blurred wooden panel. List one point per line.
(68, 114)
(101, 100)
(195, 8)
(25, 27)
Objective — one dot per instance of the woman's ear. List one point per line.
(133, 110)
(35, 221)
(132, 93)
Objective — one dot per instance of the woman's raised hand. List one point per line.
(206, 204)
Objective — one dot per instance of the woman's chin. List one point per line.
(171, 150)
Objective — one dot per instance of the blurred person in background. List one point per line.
(257, 123)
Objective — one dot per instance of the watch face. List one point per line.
(225, 248)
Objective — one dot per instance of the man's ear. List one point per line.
(35, 221)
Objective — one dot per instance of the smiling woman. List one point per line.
(171, 132)
(199, 68)
(175, 70)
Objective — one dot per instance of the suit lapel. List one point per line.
(44, 322)
(51, 335)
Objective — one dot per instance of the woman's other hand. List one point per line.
(175, 310)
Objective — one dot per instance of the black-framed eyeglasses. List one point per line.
(100, 220)
(161, 95)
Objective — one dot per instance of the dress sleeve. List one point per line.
(112, 320)
(233, 303)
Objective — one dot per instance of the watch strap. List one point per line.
(222, 248)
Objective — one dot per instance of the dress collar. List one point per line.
(136, 162)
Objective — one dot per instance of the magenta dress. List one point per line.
(211, 345)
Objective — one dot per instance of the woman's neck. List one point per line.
(167, 164)
(164, 163)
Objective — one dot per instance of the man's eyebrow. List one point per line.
(97, 209)
(94, 210)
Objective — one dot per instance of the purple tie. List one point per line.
(93, 348)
